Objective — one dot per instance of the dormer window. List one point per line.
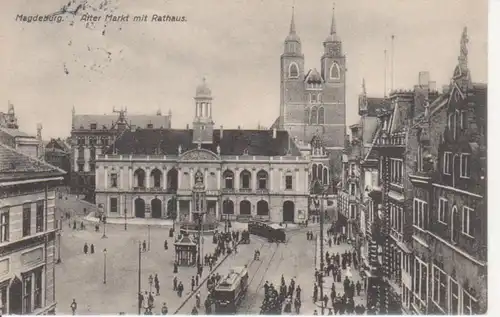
(93, 126)
(293, 71)
(334, 71)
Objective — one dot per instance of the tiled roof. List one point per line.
(15, 132)
(233, 142)
(17, 166)
(108, 120)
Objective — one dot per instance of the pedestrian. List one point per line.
(298, 290)
(180, 289)
(325, 300)
(176, 267)
(164, 309)
(197, 279)
(192, 283)
(156, 279)
(330, 313)
(85, 248)
(315, 293)
(151, 300)
(165, 245)
(73, 306)
(194, 311)
(358, 287)
(141, 299)
(92, 250)
(96, 228)
(144, 246)
(74, 224)
(175, 283)
(157, 287)
(198, 300)
(297, 305)
(315, 312)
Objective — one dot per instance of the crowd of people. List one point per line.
(277, 301)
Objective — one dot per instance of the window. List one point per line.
(335, 71)
(352, 189)
(443, 210)
(288, 182)
(420, 165)
(420, 281)
(464, 165)
(463, 119)
(4, 225)
(80, 167)
(466, 220)
(81, 153)
(80, 141)
(27, 292)
(92, 141)
(314, 115)
(39, 216)
(396, 217)
(114, 204)
(26, 220)
(92, 167)
(439, 287)
(262, 179)
(320, 97)
(469, 304)
(105, 141)
(293, 71)
(114, 180)
(454, 224)
(321, 115)
(396, 171)
(245, 179)
(306, 116)
(420, 214)
(447, 163)
(92, 153)
(452, 125)
(38, 289)
(228, 179)
(453, 297)
(93, 126)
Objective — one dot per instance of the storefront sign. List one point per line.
(32, 257)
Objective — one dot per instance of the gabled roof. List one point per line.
(57, 144)
(232, 142)
(313, 76)
(15, 165)
(185, 240)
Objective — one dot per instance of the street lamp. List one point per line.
(149, 237)
(139, 282)
(104, 251)
(104, 220)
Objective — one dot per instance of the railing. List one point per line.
(228, 190)
(245, 190)
(262, 191)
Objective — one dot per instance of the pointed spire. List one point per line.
(292, 22)
(464, 52)
(333, 29)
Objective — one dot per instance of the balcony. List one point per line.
(149, 190)
(262, 191)
(228, 190)
(245, 190)
(172, 190)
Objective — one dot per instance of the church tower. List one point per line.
(203, 124)
(292, 77)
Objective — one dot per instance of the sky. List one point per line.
(47, 68)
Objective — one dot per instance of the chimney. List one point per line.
(424, 79)
(221, 131)
(421, 94)
(432, 86)
(187, 126)
(274, 133)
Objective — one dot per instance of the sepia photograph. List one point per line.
(243, 157)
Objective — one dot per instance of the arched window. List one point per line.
(293, 71)
(321, 115)
(228, 179)
(156, 175)
(172, 176)
(140, 177)
(228, 207)
(314, 171)
(306, 116)
(245, 178)
(262, 179)
(245, 207)
(320, 173)
(325, 175)
(335, 71)
(314, 116)
(320, 98)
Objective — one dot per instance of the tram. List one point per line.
(230, 291)
(273, 232)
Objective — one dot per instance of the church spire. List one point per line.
(333, 29)
(292, 22)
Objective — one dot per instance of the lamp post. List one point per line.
(59, 243)
(319, 194)
(104, 220)
(104, 279)
(149, 237)
(139, 282)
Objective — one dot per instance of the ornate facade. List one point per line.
(27, 234)
(246, 173)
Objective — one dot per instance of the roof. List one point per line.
(370, 125)
(202, 91)
(107, 121)
(16, 132)
(229, 281)
(233, 142)
(185, 240)
(313, 76)
(377, 104)
(15, 165)
(57, 144)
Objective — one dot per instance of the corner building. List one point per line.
(149, 173)
(27, 234)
